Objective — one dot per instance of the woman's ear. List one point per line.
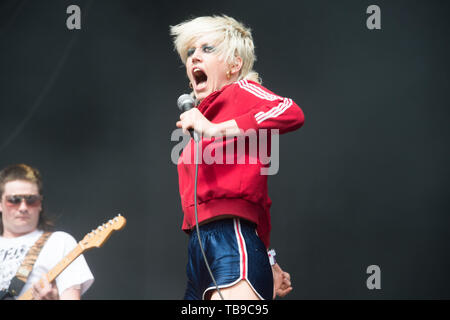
(237, 65)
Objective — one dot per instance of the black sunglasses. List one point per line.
(30, 199)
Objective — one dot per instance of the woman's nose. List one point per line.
(197, 56)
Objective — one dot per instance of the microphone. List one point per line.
(185, 102)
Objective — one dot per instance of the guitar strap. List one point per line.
(19, 280)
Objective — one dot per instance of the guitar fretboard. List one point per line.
(64, 263)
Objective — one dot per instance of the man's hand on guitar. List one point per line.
(43, 290)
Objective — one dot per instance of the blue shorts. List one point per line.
(234, 253)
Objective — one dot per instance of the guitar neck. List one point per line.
(64, 263)
(57, 269)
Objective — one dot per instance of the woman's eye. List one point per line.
(208, 49)
(190, 52)
(205, 49)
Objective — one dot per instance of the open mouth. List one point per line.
(200, 78)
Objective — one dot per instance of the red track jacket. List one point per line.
(234, 186)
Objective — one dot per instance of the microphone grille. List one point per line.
(185, 102)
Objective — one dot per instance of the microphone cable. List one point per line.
(186, 102)
(196, 217)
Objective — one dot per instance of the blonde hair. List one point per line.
(231, 37)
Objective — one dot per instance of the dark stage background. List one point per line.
(364, 182)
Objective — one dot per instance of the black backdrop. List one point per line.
(364, 182)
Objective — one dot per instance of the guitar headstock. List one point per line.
(97, 237)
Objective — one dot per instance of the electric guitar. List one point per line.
(96, 238)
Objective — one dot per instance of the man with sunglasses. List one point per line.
(22, 223)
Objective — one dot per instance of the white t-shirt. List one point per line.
(14, 250)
